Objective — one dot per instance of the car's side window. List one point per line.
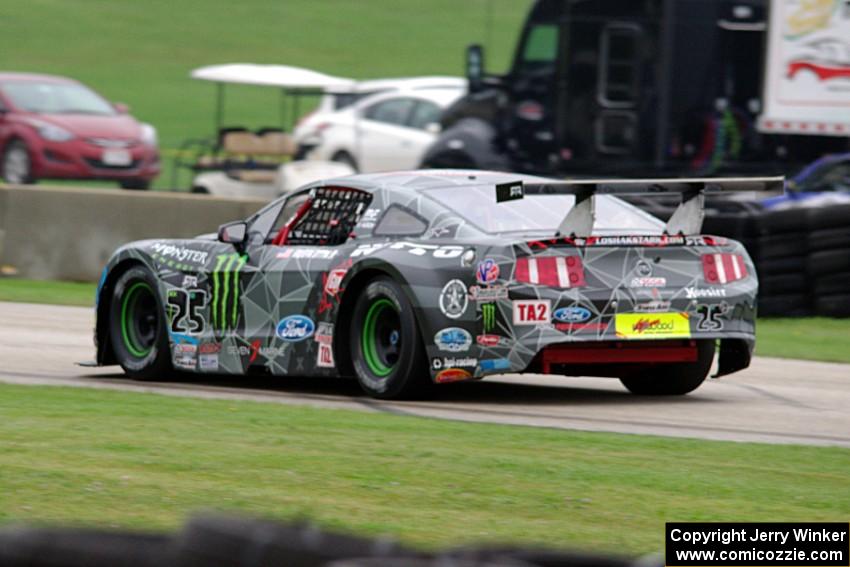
(287, 213)
(423, 114)
(262, 222)
(400, 221)
(392, 111)
(329, 218)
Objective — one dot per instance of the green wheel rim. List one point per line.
(380, 338)
(136, 321)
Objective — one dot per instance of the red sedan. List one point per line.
(56, 128)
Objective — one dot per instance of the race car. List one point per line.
(408, 279)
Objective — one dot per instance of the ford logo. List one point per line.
(295, 328)
(571, 314)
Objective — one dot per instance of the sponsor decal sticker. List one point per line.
(488, 315)
(295, 328)
(571, 314)
(494, 364)
(699, 293)
(453, 339)
(453, 375)
(643, 268)
(325, 356)
(453, 362)
(652, 325)
(648, 282)
(165, 252)
(256, 350)
(369, 218)
(334, 280)
(454, 299)
(208, 361)
(652, 307)
(325, 333)
(189, 281)
(509, 191)
(417, 249)
(185, 355)
(224, 308)
(532, 311)
(308, 254)
(490, 293)
(487, 272)
(490, 340)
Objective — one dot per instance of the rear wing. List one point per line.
(686, 219)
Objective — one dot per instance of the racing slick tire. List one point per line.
(674, 379)
(137, 330)
(388, 356)
(17, 164)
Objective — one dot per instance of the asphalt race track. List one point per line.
(774, 401)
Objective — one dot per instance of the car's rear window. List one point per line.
(55, 98)
(540, 212)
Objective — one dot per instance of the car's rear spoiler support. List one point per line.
(686, 219)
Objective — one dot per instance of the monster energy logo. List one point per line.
(225, 291)
(488, 312)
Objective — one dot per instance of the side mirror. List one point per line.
(121, 108)
(475, 67)
(233, 233)
(433, 128)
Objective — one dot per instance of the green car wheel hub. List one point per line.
(381, 337)
(138, 319)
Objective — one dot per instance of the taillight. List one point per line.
(723, 268)
(552, 271)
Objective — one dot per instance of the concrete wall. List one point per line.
(68, 233)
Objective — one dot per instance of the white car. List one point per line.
(381, 125)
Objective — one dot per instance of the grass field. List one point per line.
(141, 460)
(812, 338)
(141, 53)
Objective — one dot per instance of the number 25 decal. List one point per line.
(711, 317)
(183, 307)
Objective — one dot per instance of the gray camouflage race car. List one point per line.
(407, 279)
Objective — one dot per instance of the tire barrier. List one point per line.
(224, 541)
(828, 263)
